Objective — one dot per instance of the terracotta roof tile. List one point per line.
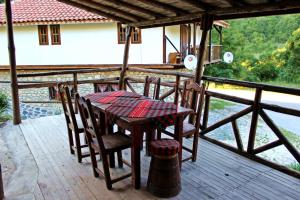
(47, 11)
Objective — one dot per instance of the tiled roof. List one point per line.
(47, 11)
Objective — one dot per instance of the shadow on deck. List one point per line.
(36, 164)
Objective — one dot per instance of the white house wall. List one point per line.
(87, 44)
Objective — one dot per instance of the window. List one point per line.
(121, 34)
(43, 34)
(55, 34)
(136, 37)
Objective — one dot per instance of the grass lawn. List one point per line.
(218, 104)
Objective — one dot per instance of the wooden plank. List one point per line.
(218, 173)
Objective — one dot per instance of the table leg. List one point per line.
(110, 129)
(178, 136)
(137, 133)
(150, 133)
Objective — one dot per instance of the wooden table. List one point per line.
(137, 126)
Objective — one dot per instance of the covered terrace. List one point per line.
(42, 168)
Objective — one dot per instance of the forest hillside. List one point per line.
(265, 49)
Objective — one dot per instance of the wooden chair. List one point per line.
(148, 82)
(74, 126)
(192, 126)
(100, 141)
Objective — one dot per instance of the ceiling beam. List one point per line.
(258, 10)
(235, 3)
(105, 9)
(198, 4)
(135, 8)
(116, 10)
(164, 6)
(227, 13)
(93, 10)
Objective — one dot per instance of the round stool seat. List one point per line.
(164, 174)
(164, 147)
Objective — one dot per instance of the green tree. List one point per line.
(259, 48)
(291, 55)
(1, 1)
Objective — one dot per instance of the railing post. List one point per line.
(177, 86)
(1, 185)
(206, 112)
(75, 87)
(254, 120)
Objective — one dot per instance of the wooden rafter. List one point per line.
(116, 10)
(226, 13)
(265, 9)
(135, 8)
(164, 6)
(96, 11)
(198, 4)
(105, 10)
(235, 3)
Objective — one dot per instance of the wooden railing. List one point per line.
(175, 84)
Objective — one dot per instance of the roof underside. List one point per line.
(153, 13)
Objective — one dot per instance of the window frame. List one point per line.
(45, 35)
(139, 34)
(55, 34)
(122, 35)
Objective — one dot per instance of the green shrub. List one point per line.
(295, 166)
(3, 102)
(3, 106)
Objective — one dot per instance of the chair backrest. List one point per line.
(106, 87)
(190, 88)
(92, 129)
(148, 82)
(67, 105)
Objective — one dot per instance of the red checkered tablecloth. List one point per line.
(127, 104)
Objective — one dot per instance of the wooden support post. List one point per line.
(210, 46)
(189, 39)
(12, 62)
(254, 120)
(164, 45)
(206, 25)
(194, 38)
(125, 57)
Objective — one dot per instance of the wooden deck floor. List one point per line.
(36, 164)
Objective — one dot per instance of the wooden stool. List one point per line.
(164, 174)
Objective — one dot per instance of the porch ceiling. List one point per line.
(154, 13)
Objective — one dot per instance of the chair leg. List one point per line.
(142, 138)
(106, 172)
(112, 160)
(195, 147)
(94, 161)
(158, 134)
(78, 147)
(71, 142)
(120, 161)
